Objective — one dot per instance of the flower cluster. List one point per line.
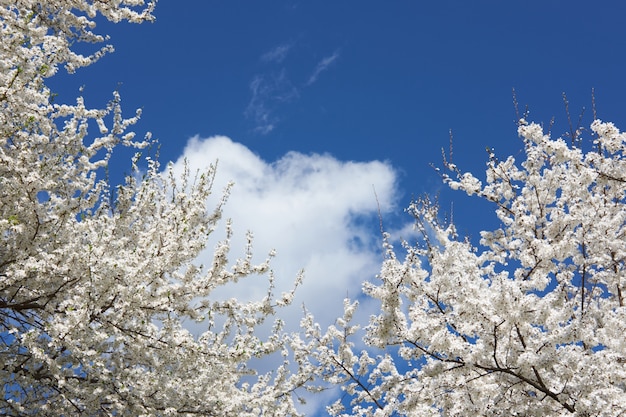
(96, 281)
(529, 323)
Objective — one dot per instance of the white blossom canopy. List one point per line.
(97, 281)
(530, 323)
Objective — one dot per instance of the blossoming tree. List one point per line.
(530, 323)
(97, 282)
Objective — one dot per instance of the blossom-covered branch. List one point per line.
(531, 322)
(96, 292)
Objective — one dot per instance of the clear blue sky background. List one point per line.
(356, 81)
(404, 73)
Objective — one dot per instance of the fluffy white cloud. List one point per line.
(318, 213)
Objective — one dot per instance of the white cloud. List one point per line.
(272, 89)
(268, 92)
(277, 54)
(322, 66)
(319, 213)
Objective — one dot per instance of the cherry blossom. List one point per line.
(98, 283)
(530, 321)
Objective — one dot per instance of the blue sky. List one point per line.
(315, 104)
(400, 74)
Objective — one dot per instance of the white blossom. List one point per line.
(97, 281)
(529, 323)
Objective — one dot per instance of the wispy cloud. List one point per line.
(268, 91)
(322, 66)
(277, 54)
(271, 89)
